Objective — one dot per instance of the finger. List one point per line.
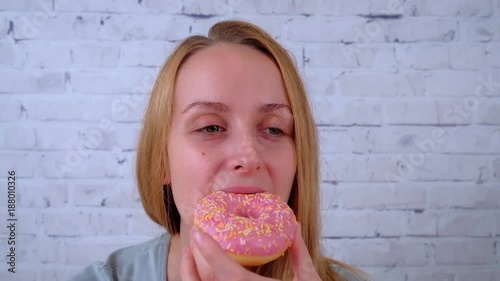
(221, 265)
(188, 267)
(208, 251)
(302, 264)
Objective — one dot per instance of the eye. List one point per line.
(275, 131)
(211, 129)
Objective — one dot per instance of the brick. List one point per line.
(43, 54)
(140, 224)
(23, 163)
(107, 223)
(126, 165)
(343, 8)
(459, 168)
(26, 5)
(493, 55)
(75, 164)
(380, 196)
(356, 168)
(27, 274)
(11, 110)
(455, 111)
(451, 8)
(142, 54)
(459, 139)
(105, 194)
(134, 80)
(383, 253)
(162, 6)
(260, 7)
(443, 83)
(362, 224)
(378, 57)
(129, 108)
(87, 251)
(426, 166)
(418, 56)
(205, 8)
(67, 224)
(337, 111)
(91, 108)
(42, 194)
(55, 26)
(465, 224)
(126, 137)
(483, 30)
(463, 196)
(464, 252)
(470, 140)
(331, 56)
(99, 6)
(496, 169)
(387, 275)
(10, 55)
(20, 138)
(39, 249)
(91, 54)
(138, 27)
(468, 56)
(376, 85)
(487, 112)
(335, 140)
(57, 137)
(478, 275)
(333, 30)
(434, 276)
(415, 112)
(422, 224)
(387, 7)
(497, 230)
(420, 30)
(18, 81)
(58, 273)
(320, 82)
(128, 6)
(328, 197)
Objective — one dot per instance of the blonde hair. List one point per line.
(152, 158)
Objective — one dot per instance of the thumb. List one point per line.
(210, 251)
(302, 264)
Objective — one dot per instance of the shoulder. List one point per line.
(348, 274)
(145, 261)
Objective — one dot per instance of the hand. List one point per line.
(206, 261)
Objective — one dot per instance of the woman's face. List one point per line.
(232, 127)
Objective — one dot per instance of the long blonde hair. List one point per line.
(152, 158)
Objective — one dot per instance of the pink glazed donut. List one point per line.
(253, 229)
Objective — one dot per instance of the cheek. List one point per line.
(284, 166)
(189, 170)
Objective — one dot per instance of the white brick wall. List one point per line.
(406, 95)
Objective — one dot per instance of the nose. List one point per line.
(246, 156)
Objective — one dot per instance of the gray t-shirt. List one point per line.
(143, 262)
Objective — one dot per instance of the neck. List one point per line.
(178, 242)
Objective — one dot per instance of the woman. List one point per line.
(227, 112)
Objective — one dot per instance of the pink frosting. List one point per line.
(258, 224)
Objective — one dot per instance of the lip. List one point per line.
(243, 189)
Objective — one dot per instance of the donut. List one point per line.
(253, 229)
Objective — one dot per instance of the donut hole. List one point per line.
(249, 213)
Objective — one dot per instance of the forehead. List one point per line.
(232, 73)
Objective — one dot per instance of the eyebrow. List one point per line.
(220, 107)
